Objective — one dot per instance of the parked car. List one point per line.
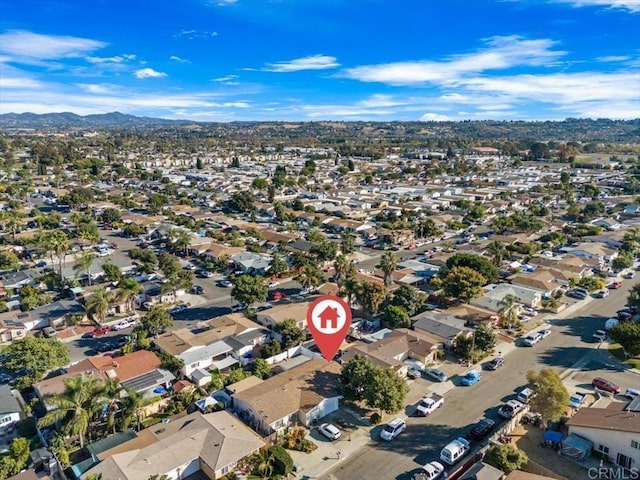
(599, 336)
(98, 332)
(436, 375)
(191, 267)
(277, 295)
(225, 283)
(605, 385)
(531, 339)
(49, 332)
(329, 431)
(5, 378)
(177, 309)
(510, 409)
(122, 324)
(429, 404)
(392, 429)
(545, 333)
(197, 290)
(239, 307)
(471, 378)
(432, 470)
(122, 341)
(495, 363)
(482, 429)
(413, 372)
(601, 294)
(205, 274)
(525, 395)
(631, 274)
(530, 311)
(615, 285)
(273, 284)
(624, 315)
(576, 400)
(105, 347)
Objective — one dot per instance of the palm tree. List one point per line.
(497, 249)
(82, 398)
(265, 467)
(309, 276)
(128, 291)
(83, 264)
(352, 288)
(131, 404)
(344, 269)
(388, 264)
(98, 304)
(509, 309)
(183, 241)
(58, 244)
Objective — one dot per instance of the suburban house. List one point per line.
(219, 345)
(210, 444)
(443, 326)
(249, 262)
(614, 431)
(10, 411)
(542, 280)
(139, 371)
(10, 331)
(278, 313)
(568, 265)
(396, 347)
(300, 395)
(53, 315)
(153, 293)
(17, 280)
(494, 294)
(594, 251)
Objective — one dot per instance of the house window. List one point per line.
(225, 470)
(603, 449)
(195, 365)
(635, 444)
(280, 423)
(5, 420)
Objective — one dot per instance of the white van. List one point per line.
(632, 393)
(455, 450)
(525, 395)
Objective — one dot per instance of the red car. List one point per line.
(98, 332)
(615, 285)
(606, 385)
(278, 295)
(114, 246)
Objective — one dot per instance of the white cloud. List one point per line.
(29, 45)
(114, 59)
(312, 62)
(149, 73)
(500, 53)
(632, 6)
(613, 58)
(434, 117)
(191, 34)
(178, 59)
(19, 82)
(225, 79)
(224, 3)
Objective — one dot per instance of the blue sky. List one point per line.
(225, 60)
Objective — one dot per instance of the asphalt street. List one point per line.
(569, 342)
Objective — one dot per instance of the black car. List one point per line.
(105, 347)
(197, 290)
(122, 341)
(482, 429)
(495, 363)
(5, 378)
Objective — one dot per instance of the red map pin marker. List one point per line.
(329, 319)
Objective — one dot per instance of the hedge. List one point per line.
(283, 462)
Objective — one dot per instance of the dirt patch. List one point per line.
(544, 461)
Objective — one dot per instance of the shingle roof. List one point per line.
(614, 417)
(8, 403)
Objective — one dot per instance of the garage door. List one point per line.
(191, 468)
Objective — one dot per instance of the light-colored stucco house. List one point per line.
(10, 410)
(494, 294)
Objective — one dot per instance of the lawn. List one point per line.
(616, 350)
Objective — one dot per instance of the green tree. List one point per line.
(169, 264)
(282, 461)
(633, 299)
(83, 264)
(475, 262)
(260, 368)
(386, 390)
(98, 304)
(248, 289)
(344, 269)
(30, 298)
(371, 296)
(241, 201)
(156, 320)
(508, 309)
(506, 457)
(551, 396)
(271, 349)
(111, 215)
(112, 273)
(627, 334)
(156, 202)
(310, 276)
(16, 460)
(9, 261)
(83, 397)
(128, 292)
(259, 184)
(388, 264)
(396, 317)
(278, 265)
(290, 333)
(497, 250)
(622, 261)
(356, 373)
(347, 244)
(463, 283)
(37, 356)
(485, 338)
(409, 298)
(199, 164)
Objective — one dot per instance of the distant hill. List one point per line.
(66, 120)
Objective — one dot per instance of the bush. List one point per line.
(283, 462)
(506, 457)
(375, 418)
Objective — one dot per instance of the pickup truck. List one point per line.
(429, 405)
(576, 400)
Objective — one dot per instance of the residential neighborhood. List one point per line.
(154, 308)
